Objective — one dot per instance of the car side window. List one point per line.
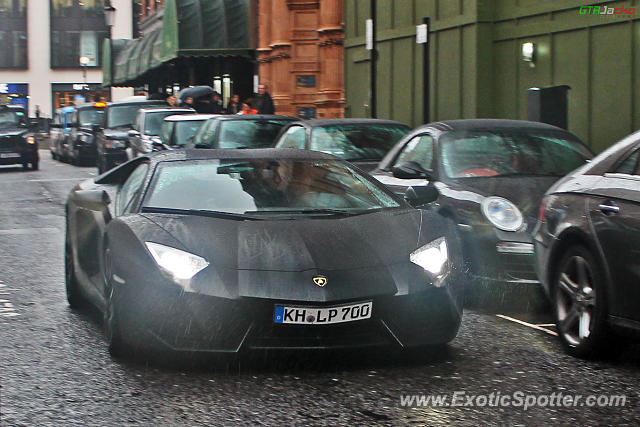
(631, 165)
(418, 150)
(130, 190)
(295, 137)
(206, 134)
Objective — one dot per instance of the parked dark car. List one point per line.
(112, 139)
(148, 124)
(588, 249)
(221, 251)
(18, 144)
(86, 121)
(179, 131)
(363, 142)
(491, 176)
(59, 131)
(241, 131)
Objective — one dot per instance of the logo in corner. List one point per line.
(320, 280)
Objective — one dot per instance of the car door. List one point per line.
(135, 135)
(418, 150)
(614, 210)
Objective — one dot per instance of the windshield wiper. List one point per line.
(201, 212)
(321, 211)
(525, 174)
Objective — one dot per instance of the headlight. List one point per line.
(31, 140)
(180, 264)
(502, 213)
(432, 256)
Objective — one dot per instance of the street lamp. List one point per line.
(84, 61)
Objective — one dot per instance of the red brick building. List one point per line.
(300, 56)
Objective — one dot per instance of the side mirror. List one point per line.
(93, 200)
(133, 133)
(410, 170)
(96, 128)
(419, 196)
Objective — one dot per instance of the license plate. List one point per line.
(322, 315)
(9, 155)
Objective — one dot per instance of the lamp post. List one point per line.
(109, 20)
(84, 61)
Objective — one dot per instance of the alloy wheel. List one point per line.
(575, 300)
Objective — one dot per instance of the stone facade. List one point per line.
(300, 56)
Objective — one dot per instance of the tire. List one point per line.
(35, 164)
(74, 297)
(100, 167)
(25, 166)
(579, 302)
(54, 156)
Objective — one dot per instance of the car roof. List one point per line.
(259, 153)
(146, 102)
(477, 124)
(164, 109)
(255, 117)
(188, 117)
(333, 122)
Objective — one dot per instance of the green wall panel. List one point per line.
(505, 81)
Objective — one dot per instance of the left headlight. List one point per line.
(432, 257)
(502, 213)
(180, 264)
(31, 140)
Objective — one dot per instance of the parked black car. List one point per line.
(148, 125)
(588, 248)
(363, 142)
(18, 144)
(112, 139)
(491, 176)
(241, 131)
(222, 251)
(86, 121)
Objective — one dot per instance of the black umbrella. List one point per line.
(196, 92)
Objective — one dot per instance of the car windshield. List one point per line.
(90, 116)
(10, 119)
(468, 154)
(123, 115)
(357, 141)
(259, 187)
(248, 133)
(153, 121)
(186, 130)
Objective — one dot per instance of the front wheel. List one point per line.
(579, 300)
(74, 297)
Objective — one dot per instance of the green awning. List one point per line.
(206, 28)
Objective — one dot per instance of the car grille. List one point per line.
(8, 143)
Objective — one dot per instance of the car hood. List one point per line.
(293, 245)
(117, 133)
(526, 192)
(12, 132)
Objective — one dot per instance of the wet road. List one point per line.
(55, 369)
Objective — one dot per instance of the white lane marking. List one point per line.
(22, 231)
(530, 325)
(546, 324)
(7, 308)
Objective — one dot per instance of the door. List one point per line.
(615, 214)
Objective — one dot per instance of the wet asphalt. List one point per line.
(55, 368)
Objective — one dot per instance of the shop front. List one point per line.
(15, 93)
(66, 94)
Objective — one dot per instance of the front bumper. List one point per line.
(189, 322)
(498, 257)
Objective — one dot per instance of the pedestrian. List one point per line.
(172, 101)
(247, 108)
(188, 102)
(264, 103)
(234, 105)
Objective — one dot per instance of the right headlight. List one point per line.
(432, 257)
(502, 213)
(180, 264)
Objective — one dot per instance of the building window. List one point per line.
(13, 34)
(77, 29)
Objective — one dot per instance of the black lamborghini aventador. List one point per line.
(225, 250)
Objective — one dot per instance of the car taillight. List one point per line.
(541, 212)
